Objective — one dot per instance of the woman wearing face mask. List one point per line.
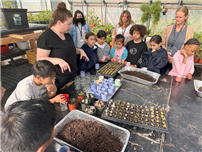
(79, 29)
(174, 36)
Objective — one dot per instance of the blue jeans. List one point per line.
(168, 66)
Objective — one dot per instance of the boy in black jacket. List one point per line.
(155, 58)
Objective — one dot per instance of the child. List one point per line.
(136, 47)
(155, 58)
(103, 50)
(90, 50)
(119, 53)
(28, 126)
(183, 60)
(38, 85)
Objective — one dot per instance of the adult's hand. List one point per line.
(64, 66)
(170, 58)
(83, 55)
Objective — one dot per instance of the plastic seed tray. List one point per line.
(136, 115)
(111, 69)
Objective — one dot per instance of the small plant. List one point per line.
(151, 13)
(81, 93)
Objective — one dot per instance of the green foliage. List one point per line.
(198, 36)
(151, 13)
(7, 4)
(43, 16)
(108, 39)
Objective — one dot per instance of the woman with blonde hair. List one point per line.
(123, 27)
(174, 36)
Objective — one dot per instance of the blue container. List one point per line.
(103, 89)
(93, 91)
(97, 66)
(111, 79)
(99, 86)
(82, 74)
(64, 149)
(98, 94)
(93, 85)
(104, 80)
(104, 96)
(110, 91)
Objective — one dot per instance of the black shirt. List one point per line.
(135, 50)
(63, 49)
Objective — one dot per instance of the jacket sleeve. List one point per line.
(125, 54)
(192, 68)
(145, 59)
(164, 38)
(108, 50)
(112, 52)
(158, 61)
(88, 27)
(178, 64)
(144, 49)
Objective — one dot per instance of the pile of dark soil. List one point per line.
(90, 136)
(200, 89)
(140, 75)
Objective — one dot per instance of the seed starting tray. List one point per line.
(136, 115)
(111, 69)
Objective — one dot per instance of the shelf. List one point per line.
(13, 53)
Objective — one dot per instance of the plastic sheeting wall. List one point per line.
(113, 14)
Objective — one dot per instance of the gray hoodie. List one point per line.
(103, 50)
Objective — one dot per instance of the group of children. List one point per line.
(136, 52)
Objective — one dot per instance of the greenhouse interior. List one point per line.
(101, 75)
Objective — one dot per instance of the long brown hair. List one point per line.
(61, 13)
(185, 10)
(129, 20)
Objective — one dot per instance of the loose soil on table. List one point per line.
(90, 136)
(200, 89)
(140, 75)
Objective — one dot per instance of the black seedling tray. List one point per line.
(136, 115)
(18, 62)
(113, 66)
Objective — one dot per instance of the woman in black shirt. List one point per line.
(57, 46)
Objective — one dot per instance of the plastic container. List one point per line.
(82, 74)
(4, 49)
(72, 106)
(120, 132)
(81, 96)
(93, 85)
(97, 66)
(23, 45)
(64, 149)
(104, 96)
(178, 78)
(15, 18)
(85, 103)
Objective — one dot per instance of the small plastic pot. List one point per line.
(72, 104)
(85, 103)
(93, 109)
(81, 96)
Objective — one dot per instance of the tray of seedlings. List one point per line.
(152, 118)
(139, 75)
(111, 69)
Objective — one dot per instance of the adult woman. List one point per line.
(79, 29)
(57, 46)
(174, 36)
(123, 27)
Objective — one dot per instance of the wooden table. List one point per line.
(17, 35)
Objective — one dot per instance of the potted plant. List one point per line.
(151, 12)
(84, 103)
(90, 110)
(81, 95)
(99, 104)
(198, 54)
(72, 104)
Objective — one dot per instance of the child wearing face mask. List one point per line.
(155, 58)
(79, 29)
(183, 60)
(91, 51)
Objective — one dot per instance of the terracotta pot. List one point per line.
(80, 97)
(196, 60)
(72, 106)
(200, 60)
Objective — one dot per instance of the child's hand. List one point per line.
(102, 60)
(51, 87)
(114, 59)
(134, 65)
(153, 50)
(58, 99)
(189, 76)
(107, 57)
(184, 53)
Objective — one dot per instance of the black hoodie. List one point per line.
(154, 61)
(92, 55)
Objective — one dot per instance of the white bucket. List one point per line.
(23, 45)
